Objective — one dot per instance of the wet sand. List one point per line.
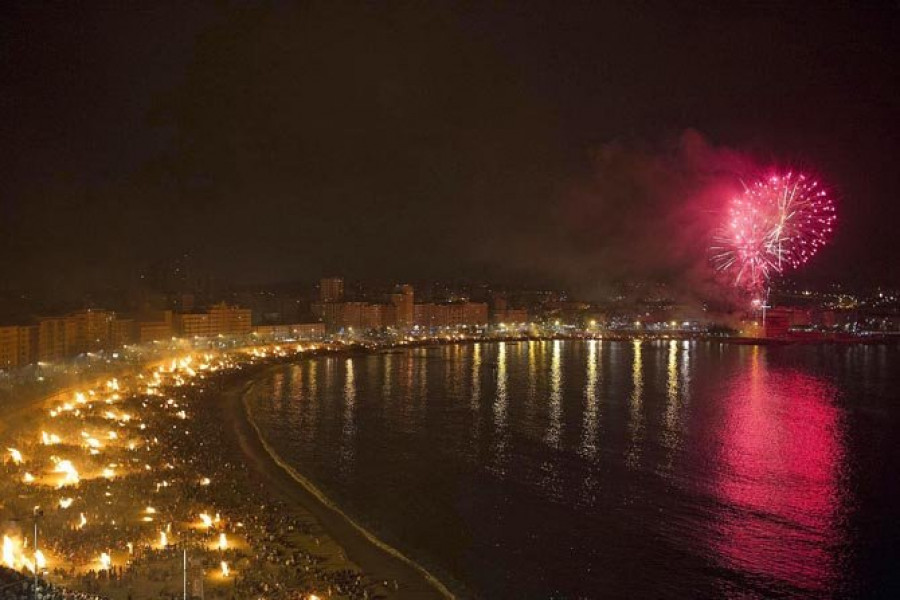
(375, 558)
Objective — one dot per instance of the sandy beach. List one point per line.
(360, 546)
(133, 471)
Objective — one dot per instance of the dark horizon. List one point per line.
(532, 142)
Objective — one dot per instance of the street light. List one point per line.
(38, 513)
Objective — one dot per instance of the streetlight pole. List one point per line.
(38, 513)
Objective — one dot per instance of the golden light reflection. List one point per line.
(501, 408)
(589, 436)
(636, 422)
(348, 428)
(672, 385)
(554, 427)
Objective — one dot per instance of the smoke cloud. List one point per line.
(642, 214)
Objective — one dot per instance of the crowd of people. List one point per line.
(178, 487)
(17, 586)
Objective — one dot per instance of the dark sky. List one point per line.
(278, 141)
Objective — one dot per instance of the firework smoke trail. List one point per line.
(777, 224)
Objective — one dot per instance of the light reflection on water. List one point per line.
(604, 469)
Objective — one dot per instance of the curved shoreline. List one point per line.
(362, 547)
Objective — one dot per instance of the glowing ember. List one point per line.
(206, 519)
(65, 502)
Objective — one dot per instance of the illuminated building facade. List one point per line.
(18, 346)
(229, 320)
(331, 289)
(52, 344)
(296, 331)
(452, 314)
(403, 302)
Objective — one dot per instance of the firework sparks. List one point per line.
(777, 224)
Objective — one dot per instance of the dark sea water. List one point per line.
(565, 469)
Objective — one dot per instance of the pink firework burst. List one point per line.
(777, 224)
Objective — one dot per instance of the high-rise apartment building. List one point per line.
(451, 314)
(229, 320)
(18, 346)
(331, 289)
(405, 306)
(91, 329)
(52, 342)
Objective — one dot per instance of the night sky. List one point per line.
(553, 141)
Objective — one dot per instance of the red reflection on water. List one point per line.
(778, 476)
